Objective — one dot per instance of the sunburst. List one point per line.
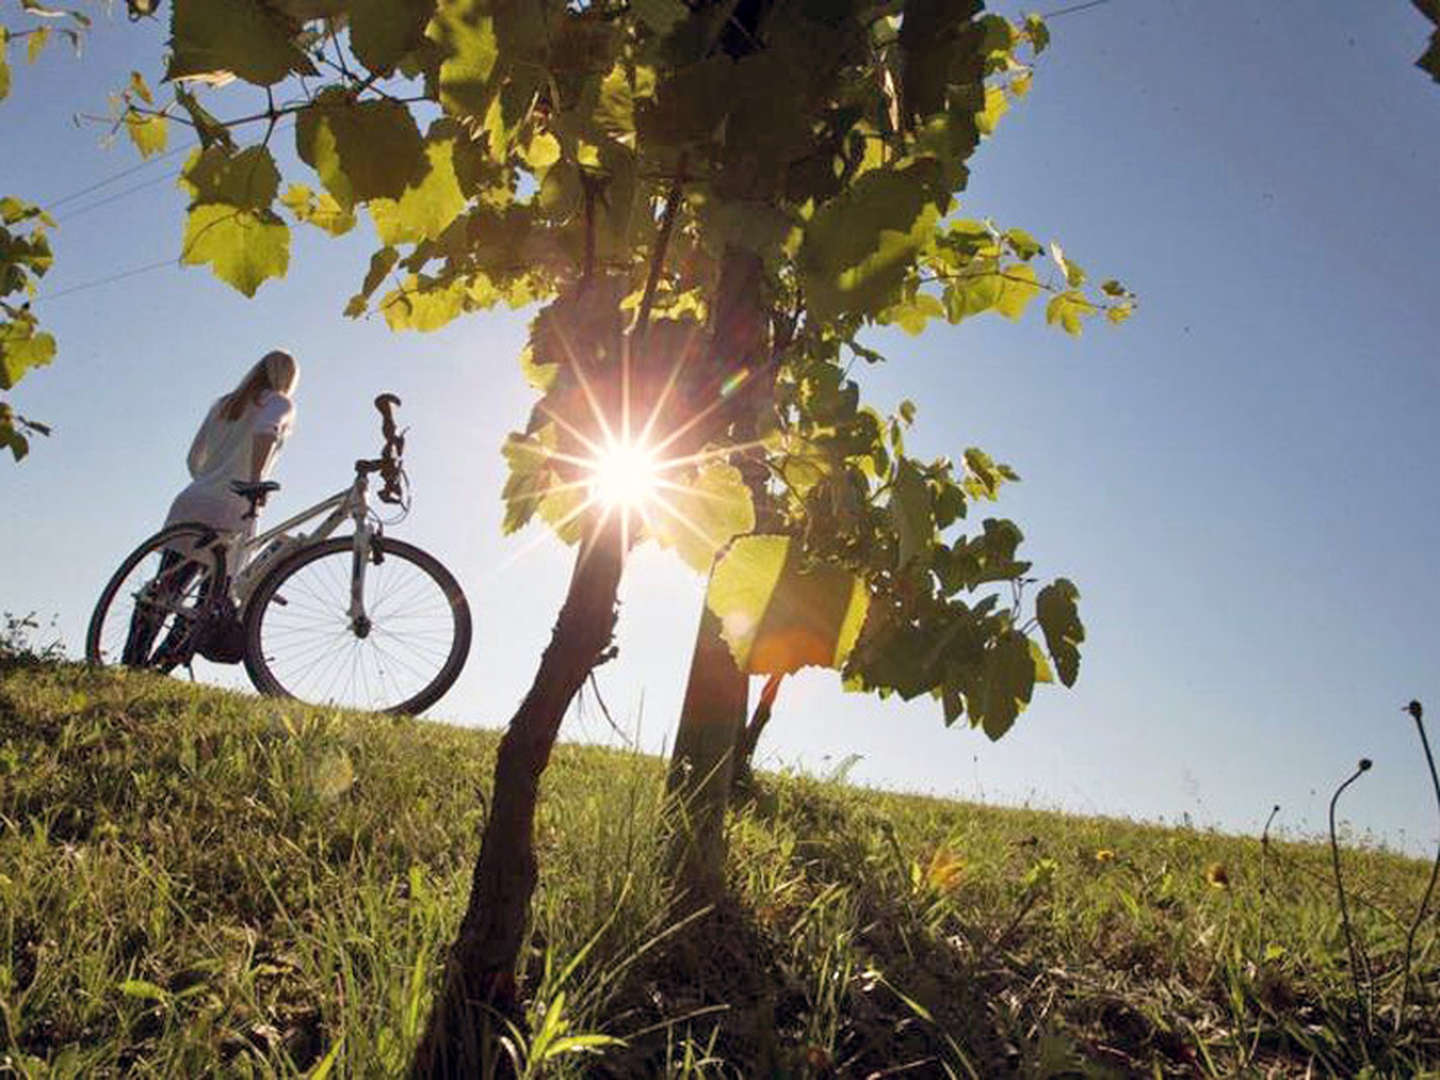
(632, 469)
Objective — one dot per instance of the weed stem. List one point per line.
(1415, 710)
(1361, 768)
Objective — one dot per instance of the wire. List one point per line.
(110, 279)
(112, 198)
(130, 171)
(1073, 9)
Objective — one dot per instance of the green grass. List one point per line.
(197, 882)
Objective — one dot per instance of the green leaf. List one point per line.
(247, 179)
(1037, 32)
(39, 35)
(423, 304)
(21, 349)
(5, 92)
(361, 150)
(1043, 674)
(318, 209)
(145, 991)
(910, 513)
(777, 617)
(996, 106)
(859, 248)
(383, 32)
(1018, 286)
(1068, 309)
(429, 203)
(1060, 622)
(243, 247)
(465, 32)
(704, 514)
(1009, 674)
(148, 133)
(209, 38)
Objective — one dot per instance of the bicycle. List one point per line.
(360, 621)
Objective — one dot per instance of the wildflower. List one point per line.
(1217, 876)
(945, 870)
(1104, 855)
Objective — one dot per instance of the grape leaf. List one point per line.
(428, 205)
(777, 617)
(318, 209)
(21, 349)
(209, 38)
(243, 247)
(910, 513)
(704, 515)
(148, 133)
(1068, 309)
(465, 32)
(247, 179)
(1060, 623)
(361, 150)
(383, 32)
(1009, 673)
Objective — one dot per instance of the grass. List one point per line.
(195, 882)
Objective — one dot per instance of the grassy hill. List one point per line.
(198, 882)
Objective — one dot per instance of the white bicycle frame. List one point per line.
(350, 503)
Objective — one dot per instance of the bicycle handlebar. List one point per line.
(388, 463)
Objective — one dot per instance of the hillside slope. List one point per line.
(193, 881)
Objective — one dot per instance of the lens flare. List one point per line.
(625, 475)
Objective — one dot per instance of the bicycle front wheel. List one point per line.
(301, 641)
(150, 607)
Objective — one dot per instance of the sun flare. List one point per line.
(625, 475)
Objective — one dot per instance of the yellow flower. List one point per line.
(1217, 876)
(1104, 855)
(945, 870)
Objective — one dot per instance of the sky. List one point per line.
(1241, 480)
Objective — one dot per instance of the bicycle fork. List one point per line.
(361, 555)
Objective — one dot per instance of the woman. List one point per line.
(239, 439)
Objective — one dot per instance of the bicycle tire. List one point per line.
(263, 616)
(97, 642)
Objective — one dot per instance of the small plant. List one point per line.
(1356, 951)
(21, 640)
(1416, 711)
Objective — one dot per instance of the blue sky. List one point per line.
(1242, 480)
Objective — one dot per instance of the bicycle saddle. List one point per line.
(250, 490)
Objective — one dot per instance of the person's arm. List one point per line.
(261, 447)
(195, 459)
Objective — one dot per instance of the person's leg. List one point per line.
(171, 581)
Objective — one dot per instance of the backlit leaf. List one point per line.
(428, 205)
(148, 133)
(209, 38)
(360, 149)
(1068, 309)
(465, 32)
(704, 514)
(776, 617)
(21, 349)
(319, 209)
(247, 179)
(1009, 673)
(382, 32)
(243, 247)
(910, 513)
(1060, 622)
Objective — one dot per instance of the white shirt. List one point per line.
(222, 452)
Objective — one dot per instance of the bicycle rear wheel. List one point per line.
(300, 642)
(148, 610)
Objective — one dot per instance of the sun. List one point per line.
(624, 475)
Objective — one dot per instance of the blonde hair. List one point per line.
(276, 371)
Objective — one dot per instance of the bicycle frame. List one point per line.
(350, 503)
